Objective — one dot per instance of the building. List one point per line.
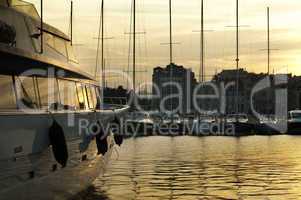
(173, 86)
(260, 90)
(257, 92)
(240, 99)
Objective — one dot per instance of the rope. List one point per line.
(98, 44)
(130, 43)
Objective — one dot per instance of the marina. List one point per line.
(91, 108)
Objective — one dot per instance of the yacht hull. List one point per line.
(28, 168)
(243, 129)
(63, 184)
(294, 128)
(265, 129)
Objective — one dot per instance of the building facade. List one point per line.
(173, 87)
(260, 93)
(257, 92)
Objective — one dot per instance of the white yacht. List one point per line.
(242, 118)
(139, 124)
(170, 125)
(51, 146)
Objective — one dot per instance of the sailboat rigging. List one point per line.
(202, 41)
(100, 39)
(102, 45)
(202, 45)
(268, 36)
(134, 46)
(170, 53)
(133, 32)
(71, 24)
(268, 43)
(41, 28)
(237, 58)
(170, 34)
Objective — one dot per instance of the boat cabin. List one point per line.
(38, 68)
(294, 115)
(46, 93)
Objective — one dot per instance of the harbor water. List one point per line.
(255, 167)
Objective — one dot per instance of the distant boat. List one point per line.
(139, 124)
(44, 154)
(230, 125)
(170, 125)
(294, 122)
(265, 126)
(200, 126)
(153, 123)
(241, 124)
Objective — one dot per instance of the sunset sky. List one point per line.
(152, 17)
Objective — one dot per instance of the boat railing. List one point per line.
(115, 101)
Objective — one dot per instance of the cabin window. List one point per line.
(98, 97)
(60, 46)
(68, 95)
(94, 96)
(91, 96)
(48, 92)
(7, 100)
(82, 96)
(26, 93)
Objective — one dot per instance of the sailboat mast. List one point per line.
(41, 29)
(170, 53)
(71, 23)
(237, 56)
(104, 75)
(170, 33)
(268, 36)
(202, 42)
(100, 39)
(134, 45)
(102, 45)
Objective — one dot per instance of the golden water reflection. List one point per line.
(256, 167)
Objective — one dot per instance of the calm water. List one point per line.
(203, 168)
